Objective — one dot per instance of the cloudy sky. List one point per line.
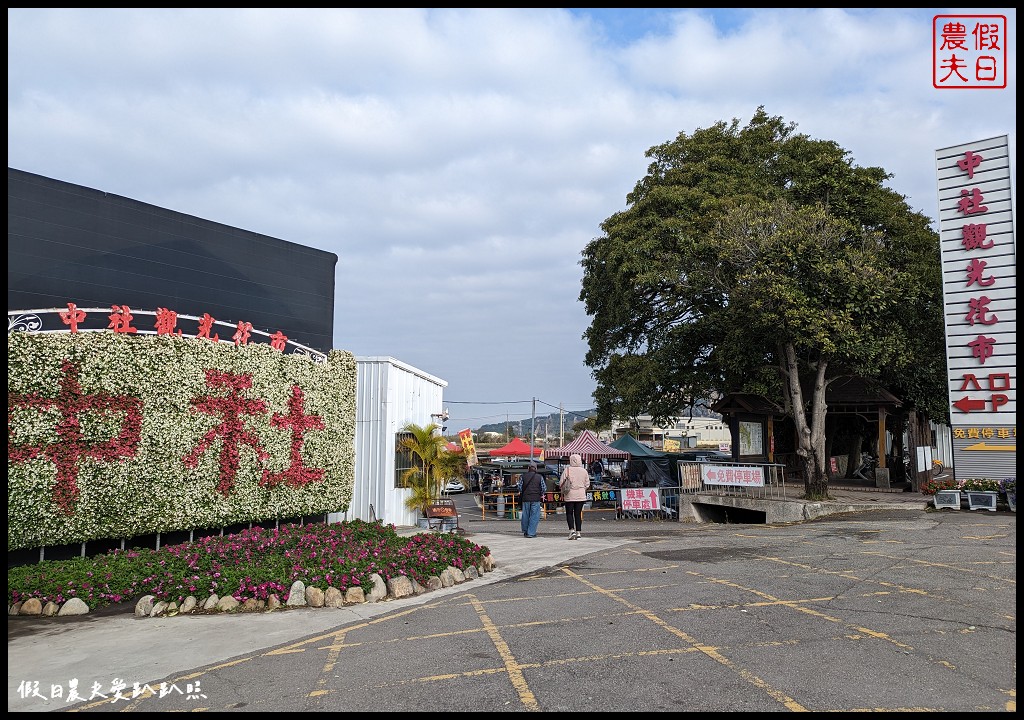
(458, 160)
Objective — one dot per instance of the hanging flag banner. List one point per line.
(466, 437)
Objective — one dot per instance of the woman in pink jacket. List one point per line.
(574, 482)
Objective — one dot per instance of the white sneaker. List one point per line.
(572, 534)
(578, 534)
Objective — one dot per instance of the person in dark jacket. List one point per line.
(531, 491)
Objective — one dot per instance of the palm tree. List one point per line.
(426, 443)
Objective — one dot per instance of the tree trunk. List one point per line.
(830, 432)
(919, 435)
(810, 425)
(853, 456)
(897, 426)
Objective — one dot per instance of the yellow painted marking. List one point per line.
(1011, 705)
(515, 673)
(899, 709)
(987, 446)
(928, 563)
(708, 650)
(810, 611)
(329, 662)
(546, 663)
(763, 603)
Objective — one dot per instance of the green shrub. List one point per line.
(252, 564)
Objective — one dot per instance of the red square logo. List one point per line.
(969, 51)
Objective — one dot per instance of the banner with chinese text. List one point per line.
(468, 447)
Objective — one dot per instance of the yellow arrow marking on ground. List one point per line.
(986, 446)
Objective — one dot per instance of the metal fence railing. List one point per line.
(753, 480)
(662, 502)
(665, 502)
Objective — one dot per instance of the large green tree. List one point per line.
(757, 259)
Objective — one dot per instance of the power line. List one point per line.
(484, 402)
(513, 402)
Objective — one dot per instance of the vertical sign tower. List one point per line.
(979, 287)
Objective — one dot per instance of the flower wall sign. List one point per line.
(113, 434)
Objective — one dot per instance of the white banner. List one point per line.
(745, 475)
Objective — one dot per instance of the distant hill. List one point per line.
(545, 424)
(549, 424)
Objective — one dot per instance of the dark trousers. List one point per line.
(574, 514)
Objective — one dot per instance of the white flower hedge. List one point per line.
(115, 436)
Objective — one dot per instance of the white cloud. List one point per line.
(458, 161)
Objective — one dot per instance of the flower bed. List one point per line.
(1004, 490)
(253, 564)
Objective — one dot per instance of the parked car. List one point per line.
(454, 486)
(705, 456)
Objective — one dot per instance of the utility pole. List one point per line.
(533, 426)
(561, 426)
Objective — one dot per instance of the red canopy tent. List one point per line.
(589, 448)
(516, 448)
(453, 447)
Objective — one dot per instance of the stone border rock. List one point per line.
(298, 596)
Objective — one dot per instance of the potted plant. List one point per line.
(433, 466)
(933, 485)
(981, 493)
(425, 443)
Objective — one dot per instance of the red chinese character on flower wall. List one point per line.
(278, 340)
(71, 446)
(231, 429)
(121, 319)
(297, 474)
(166, 321)
(205, 325)
(241, 336)
(73, 317)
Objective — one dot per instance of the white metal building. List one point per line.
(686, 432)
(389, 395)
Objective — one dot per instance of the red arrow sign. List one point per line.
(965, 404)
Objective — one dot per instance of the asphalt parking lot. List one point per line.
(875, 611)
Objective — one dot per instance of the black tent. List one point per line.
(655, 467)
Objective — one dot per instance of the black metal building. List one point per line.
(69, 243)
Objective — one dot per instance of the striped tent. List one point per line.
(589, 448)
